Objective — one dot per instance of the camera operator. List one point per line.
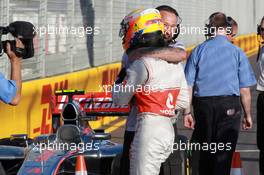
(10, 90)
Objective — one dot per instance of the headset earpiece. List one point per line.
(259, 26)
(259, 30)
(229, 21)
(210, 30)
(178, 28)
(229, 24)
(177, 32)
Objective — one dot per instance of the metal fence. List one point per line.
(78, 34)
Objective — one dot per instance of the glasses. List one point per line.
(167, 26)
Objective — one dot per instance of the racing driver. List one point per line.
(159, 87)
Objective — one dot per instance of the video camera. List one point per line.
(22, 30)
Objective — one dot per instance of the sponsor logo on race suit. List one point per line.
(170, 106)
(161, 102)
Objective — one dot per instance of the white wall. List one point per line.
(56, 54)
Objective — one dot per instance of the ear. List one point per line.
(177, 32)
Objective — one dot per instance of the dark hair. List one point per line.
(262, 20)
(168, 9)
(218, 20)
(154, 39)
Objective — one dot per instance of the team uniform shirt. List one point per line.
(260, 84)
(131, 118)
(7, 89)
(218, 71)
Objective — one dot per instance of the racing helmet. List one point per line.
(138, 23)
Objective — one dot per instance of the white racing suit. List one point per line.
(131, 119)
(159, 88)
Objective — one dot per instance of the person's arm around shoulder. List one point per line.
(15, 74)
(136, 75)
(170, 54)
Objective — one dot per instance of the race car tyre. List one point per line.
(116, 165)
(2, 170)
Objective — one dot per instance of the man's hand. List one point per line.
(11, 54)
(247, 122)
(188, 121)
(246, 104)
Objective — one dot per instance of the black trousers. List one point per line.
(217, 123)
(170, 167)
(124, 162)
(260, 130)
(2, 170)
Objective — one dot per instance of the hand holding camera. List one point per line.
(19, 50)
(21, 47)
(25, 32)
